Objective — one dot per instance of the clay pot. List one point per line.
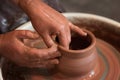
(77, 63)
(81, 60)
(104, 29)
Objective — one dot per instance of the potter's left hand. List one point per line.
(49, 22)
(13, 48)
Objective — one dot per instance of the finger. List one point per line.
(26, 34)
(49, 63)
(43, 53)
(50, 53)
(63, 40)
(68, 36)
(53, 61)
(44, 64)
(34, 60)
(48, 40)
(78, 30)
(53, 52)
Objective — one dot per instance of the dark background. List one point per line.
(107, 8)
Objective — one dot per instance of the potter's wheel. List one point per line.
(101, 27)
(109, 67)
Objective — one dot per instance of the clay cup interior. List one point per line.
(81, 59)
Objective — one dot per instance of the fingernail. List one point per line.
(85, 34)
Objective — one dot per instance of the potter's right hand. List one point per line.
(13, 48)
(47, 22)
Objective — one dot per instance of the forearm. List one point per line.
(35, 7)
(21, 1)
(30, 6)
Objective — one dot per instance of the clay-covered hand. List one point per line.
(13, 48)
(49, 22)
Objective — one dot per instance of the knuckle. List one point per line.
(14, 33)
(46, 56)
(62, 27)
(53, 48)
(25, 32)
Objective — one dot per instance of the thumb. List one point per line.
(26, 34)
(77, 29)
(48, 40)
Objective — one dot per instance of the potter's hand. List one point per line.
(49, 22)
(12, 47)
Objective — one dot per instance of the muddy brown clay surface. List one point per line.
(104, 64)
(75, 64)
(107, 69)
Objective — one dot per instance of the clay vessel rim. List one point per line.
(93, 42)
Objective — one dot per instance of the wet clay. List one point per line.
(99, 63)
(75, 64)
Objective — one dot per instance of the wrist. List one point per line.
(30, 6)
(15, 1)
